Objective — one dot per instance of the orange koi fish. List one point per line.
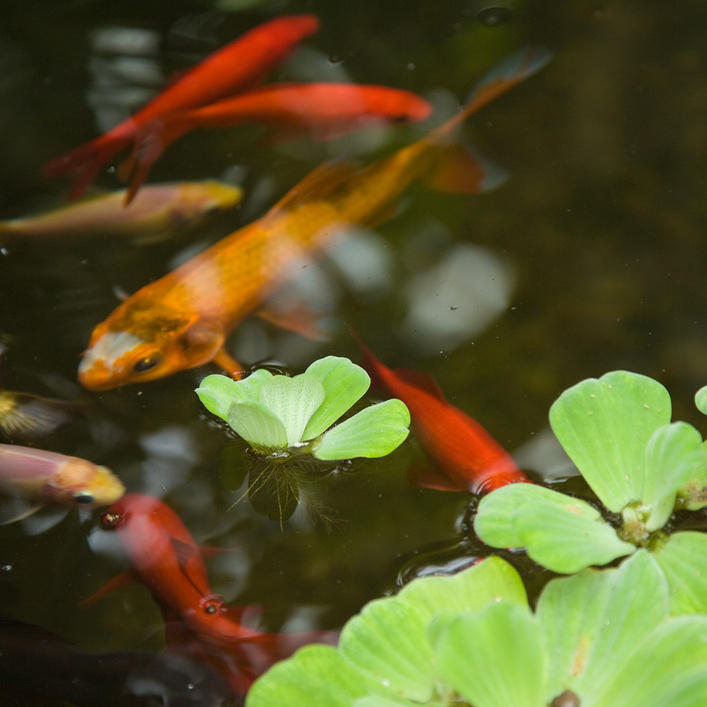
(158, 208)
(236, 67)
(47, 477)
(183, 319)
(165, 558)
(325, 110)
(469, 459)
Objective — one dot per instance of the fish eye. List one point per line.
(110, 520)
(84, 497)
(147, 362)
(211, 604)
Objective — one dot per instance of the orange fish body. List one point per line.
(236, 67)
(183, 319)
(468, 457)
(325, 110)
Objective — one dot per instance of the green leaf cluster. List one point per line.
(602, 637)
(617, 431)
(276, 413)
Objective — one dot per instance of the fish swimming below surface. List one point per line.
(236, 67)
(165, 558)
(467, 457)
(183, 319)
(24, 416)
(44, 477)
(321, 110)
(158, 209)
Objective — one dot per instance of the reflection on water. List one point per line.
(590, 257)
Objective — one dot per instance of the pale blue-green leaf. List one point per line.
(674, 456)
(491, 580)
(693, 495)
(258, 426)
(387, 642)
(593, 620)
(604, 425)
(373, 432)
(218, 392)
(344, 383)
(701, 399)
(388, 639)
(293, 401)
(493, 657)
(668, 668)
(316, 676)
(683, 559)
(561, 533)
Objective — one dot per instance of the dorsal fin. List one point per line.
(319, 183)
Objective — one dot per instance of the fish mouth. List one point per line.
(100, 367)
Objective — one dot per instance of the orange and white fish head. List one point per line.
(117, 357)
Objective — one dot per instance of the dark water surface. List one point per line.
(590, 258)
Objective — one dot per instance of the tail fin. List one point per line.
(85, 162)
(510, 72)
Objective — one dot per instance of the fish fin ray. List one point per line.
(297, 318)
(124, 579)
(430, 478)
(461, 170)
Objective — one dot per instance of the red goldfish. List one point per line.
(47, 477)
(468, 458)
(183, 319)
(165, 558)
(237, 66)
(326, 110)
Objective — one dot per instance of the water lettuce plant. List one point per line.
(596, 638)
(279, 415)
(617, 431)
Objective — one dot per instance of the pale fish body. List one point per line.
(47, 477)
(157, 208)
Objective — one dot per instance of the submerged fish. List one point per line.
(183, 319)
(323, 110)
(42, 477)
(467, 457)
(158, 208)
(165, 558)
(236, 67)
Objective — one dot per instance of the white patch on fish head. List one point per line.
(100, 360)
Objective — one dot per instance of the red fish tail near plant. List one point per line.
(468, 458)
(236, 67)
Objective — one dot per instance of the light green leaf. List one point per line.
(258, 426)
(218, 392)
(604, 426)
(559, 532)
(693, 495)
(683, 559)
(494, 657)
(674, 456)
(373, 432)
(701, 399)
(316, 676)
(668, 668)
(293, 401)
(344, 383)
(388, 639)
(593, 621)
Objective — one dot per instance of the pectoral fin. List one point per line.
(124, 579)
(461, 170)
(429, 478)
(297, 318)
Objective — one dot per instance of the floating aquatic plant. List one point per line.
(277, 414)
(596, 638)
(617, 431)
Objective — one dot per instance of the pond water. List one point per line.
(590, 257)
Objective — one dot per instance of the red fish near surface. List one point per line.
(236, 67)
(165, 558)
(468, 457)
(325, 110)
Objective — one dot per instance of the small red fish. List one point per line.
(236, 67)
(325, 110)
(469, 459)
(165, 558)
